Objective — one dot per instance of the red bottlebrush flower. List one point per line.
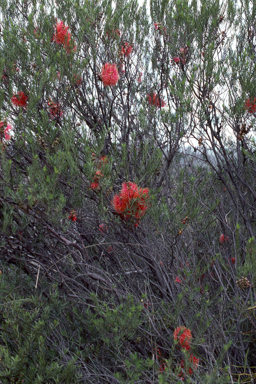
(103, 228)
(156, 26)
(4, 129)
(176, 60)
(156, 101)
(72, 216)
(55, 110)
(183, 335)
(98, 173)
(95, 186)
(223, 239)
(250, 105)
(19, 99)
(131, 201)
(194, 360)
(62, 36)
(78, 81)
(233, 260)
(109, 75)
(126, 50)
(6, 134)
(177, 280)
(162, 367)
(103, 160)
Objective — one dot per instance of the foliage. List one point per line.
(127, 191)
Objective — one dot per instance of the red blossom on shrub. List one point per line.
(156, 101)
(4, 129)
(103, 228)
(127, 49)
(162, 367)
(72, 216)
(19, 99)
(194, 360)
(55, 110)
(177, 280)
(250, 105)
(109, 75)
(183, 335)
(139, 79)
(131, 202)
(62, 36)
(223, 239)
(103, 160)
(78, 80)
(95, 185)
(176, 60)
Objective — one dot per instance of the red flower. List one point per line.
(6, 134)
(177, 280)
(5, 130)
(176, 59)
(127, 49)
(62, 36)
(98, 173)
(250, 106)
(223, 239)
(109, 74)
(19, 99)
(156, 101)
(103, 228)
(95, 186)
(183, 335)
(77, 80)
(103, 160)
(194, 361)
(131, 201)
(72, 216)
(162, 367)
(233, 260)
(55, 110)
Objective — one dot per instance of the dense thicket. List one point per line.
(127, 199)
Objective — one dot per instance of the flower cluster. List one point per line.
(55, 110)
(250, 106)
(223, 239)
(194, 360)
(156, 101)
(109, 75)
(183, 335)
(72, 216)
(19, 99)
(132, 202)
(62, 36)
(95, 185)
(126, 49)
(162, 363)
(4, 129)
(182, 58)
